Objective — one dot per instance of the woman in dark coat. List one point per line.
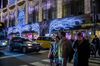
(82, 51)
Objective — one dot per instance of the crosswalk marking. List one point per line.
(46, 60)
(23, 65)
(71, 64)
(38, 64)
(42, 51)
(11, 56)
(95, 60)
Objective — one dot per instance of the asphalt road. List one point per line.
(33, 59)
(18, 59)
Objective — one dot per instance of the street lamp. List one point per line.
(94, 16)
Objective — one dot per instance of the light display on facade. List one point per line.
(65, 23)
(20, 28)
(21, 17)
(12, 19)
(36, 27)
(11, 2)
(25, 27)
(9, 30)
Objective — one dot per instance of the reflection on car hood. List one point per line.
(35, 42)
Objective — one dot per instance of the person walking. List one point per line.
(53, 53)
(96, 43)
(71, 53)
(64, 49)
(99, 47)
(82, 51)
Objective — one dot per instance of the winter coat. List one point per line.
(64, 49)
(82, 53)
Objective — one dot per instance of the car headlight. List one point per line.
(29, 44)
(3, 44)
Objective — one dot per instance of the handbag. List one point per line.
(50, 56)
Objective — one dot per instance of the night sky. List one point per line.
(4, 3)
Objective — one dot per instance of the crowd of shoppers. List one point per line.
(63, 50)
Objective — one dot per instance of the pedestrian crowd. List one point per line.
(64, 50)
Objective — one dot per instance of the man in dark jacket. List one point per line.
(82, 51)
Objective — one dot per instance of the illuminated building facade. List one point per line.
(37, 10)
(22, 12)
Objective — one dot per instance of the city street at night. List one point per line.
(49, 32)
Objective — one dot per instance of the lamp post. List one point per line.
(94, 16)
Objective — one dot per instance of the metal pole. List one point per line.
(1, 8)
(94, 16)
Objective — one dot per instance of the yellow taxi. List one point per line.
(45, 42)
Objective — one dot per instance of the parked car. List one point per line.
(23, 45)
(45, 42)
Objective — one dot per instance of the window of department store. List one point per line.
(98, 6)
(49, 9)
(5, 22)
(98, 10)
(33, 14)
(12, 21)
(73, 7)
(9, 21)
(33, 17)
